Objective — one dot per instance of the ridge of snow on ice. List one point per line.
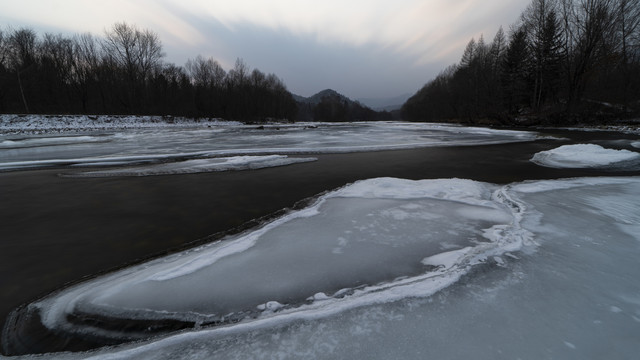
(582, 156)
(313, 262)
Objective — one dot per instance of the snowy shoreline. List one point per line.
(57, 123)
(42, 124)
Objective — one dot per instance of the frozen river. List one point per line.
(382, 267)
(83, 146)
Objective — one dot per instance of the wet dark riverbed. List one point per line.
(58, 230)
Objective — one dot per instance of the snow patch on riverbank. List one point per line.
(38, 124)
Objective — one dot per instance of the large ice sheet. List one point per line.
(574, 294)
(375, 241)
(583, 156)
(131, 145)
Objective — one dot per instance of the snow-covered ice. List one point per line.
(195, 166)
(566, 288)
(583, 156)
(550, 273)
(161, 142)
(293, 258)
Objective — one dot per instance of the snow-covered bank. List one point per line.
(583, 156)
(40, 124)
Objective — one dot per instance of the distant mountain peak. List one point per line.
(317, 98)
(330, 105)
(328, 92)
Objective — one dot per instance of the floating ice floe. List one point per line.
(396, 238)
(195, 166)
(583, 156)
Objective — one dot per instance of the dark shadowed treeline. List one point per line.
(123, 73)
(563, 61)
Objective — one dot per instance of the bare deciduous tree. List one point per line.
(22, 56)
(206, 73)
(588, 24)
(86, 63)
(137, 51)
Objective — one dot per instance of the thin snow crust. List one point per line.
(583, 156)
(314, 262)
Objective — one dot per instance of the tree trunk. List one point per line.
(24, 100)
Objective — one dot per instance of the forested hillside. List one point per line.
(563, 61)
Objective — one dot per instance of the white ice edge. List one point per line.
(535, 186)
(197, 166)
(48, 141)
(504, 238)
(54, 309)
(419, 287)
(425, 285)
(124, 160)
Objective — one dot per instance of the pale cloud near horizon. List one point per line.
(423, 35)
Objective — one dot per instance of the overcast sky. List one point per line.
(361, 48)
